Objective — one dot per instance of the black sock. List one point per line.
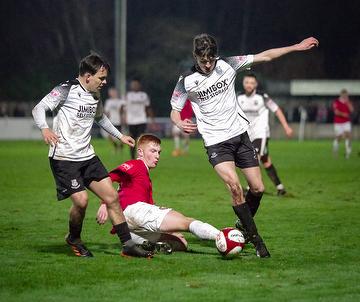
(271, 172)
(243, 212)
(122, 230)
(75, 230)
(253, 201)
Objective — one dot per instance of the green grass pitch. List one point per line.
(313, 236)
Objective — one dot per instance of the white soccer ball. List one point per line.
(229, 242)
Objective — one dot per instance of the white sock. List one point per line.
(335, 146)
(280, 187)
(347, 147)
(203, 230)
(137, 239)
(177, 142)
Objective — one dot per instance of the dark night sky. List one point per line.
(43, 39)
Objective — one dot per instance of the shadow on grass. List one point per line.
(110, 249)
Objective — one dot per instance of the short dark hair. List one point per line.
(204, 45)
(92, 63)
(250, 75)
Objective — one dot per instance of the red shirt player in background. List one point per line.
(135, 195)
(343, 108)
(182, 147)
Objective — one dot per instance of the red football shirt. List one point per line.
(134, 183)
(187, 111)
(342, 107)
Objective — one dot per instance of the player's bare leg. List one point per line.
(272, 173)
(77, 214)
(336, 143)
(227, 172)
(256, 188)
(347, 136)
(177, 222)
(104, 190)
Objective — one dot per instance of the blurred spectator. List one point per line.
(114, 110)
(137, 110)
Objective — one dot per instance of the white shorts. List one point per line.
(341, 128)
(142, 215)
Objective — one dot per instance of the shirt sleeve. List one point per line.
(179, 96)
(51, 101)
(270, 104)
(147, 100)
(240, 62)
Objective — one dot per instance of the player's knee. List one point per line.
(111, 198)
(80, 201)
(258, 189)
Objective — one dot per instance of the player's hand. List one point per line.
(187, 126)
(128, 140)
(50, 138)
(307, 43)
(289, 132)
(102, 214)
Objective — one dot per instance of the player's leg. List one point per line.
(76, 218)
(177, 222)
(186, 142)
(347, 136)
(270, 168)
(247, 160)
(338, 135)
(69, 183)
(256, 188)
(105, 191)
(176, 132)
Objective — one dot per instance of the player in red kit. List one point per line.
(135, 195)
(181, 148)
(342, 124)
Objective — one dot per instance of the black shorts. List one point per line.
(237, 149)
(261, 147)
(75, 176)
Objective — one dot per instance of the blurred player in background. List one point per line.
(76, 105)
(138, 109)
(114, 111)
(343, 108)
(256, 106)
(210, 87)
(182, 147)
(135, 196)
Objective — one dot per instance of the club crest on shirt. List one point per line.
(218, 70)
(126, 166)
(74, 184)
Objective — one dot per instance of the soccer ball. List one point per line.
(229, 242)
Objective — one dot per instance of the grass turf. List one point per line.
(312, 236)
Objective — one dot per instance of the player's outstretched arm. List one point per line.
(185, 125)
(274, 53)
(282, 119)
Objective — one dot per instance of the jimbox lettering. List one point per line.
(213, 90)
(86, 111)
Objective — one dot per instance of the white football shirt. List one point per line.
(256, 107)
(213, 99)
(136, 103)
(74, 110)
(112, 109)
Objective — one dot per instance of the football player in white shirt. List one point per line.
(76, 105)
(223, 126)
(137, 110)
(256, 106)
(114, 111)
